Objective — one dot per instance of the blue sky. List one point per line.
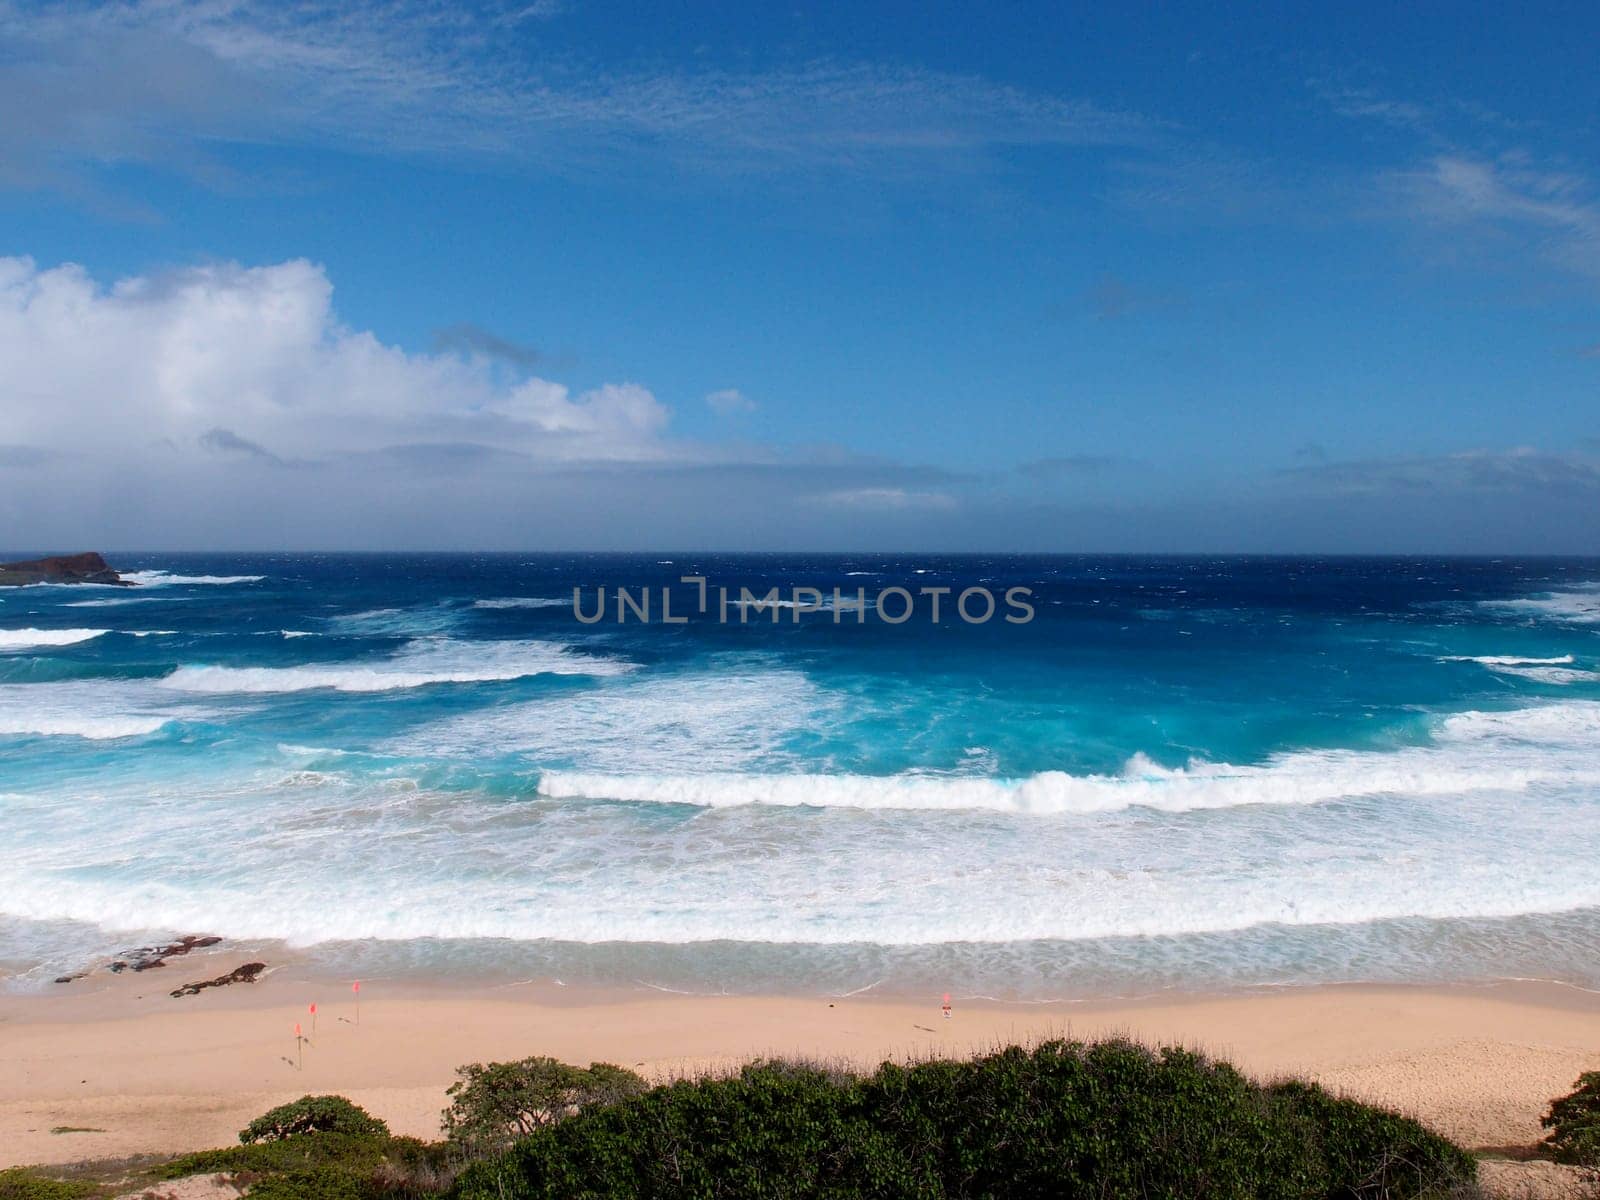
(853, 276)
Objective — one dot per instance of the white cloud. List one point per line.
(1556, 208)
(227, 405)
(886, 499)
(225, 357)
(1364, 103)
(728, 401)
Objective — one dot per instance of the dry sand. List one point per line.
(150, 1073)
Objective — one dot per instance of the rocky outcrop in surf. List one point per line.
(245, 974)
(70, 568)
(144, 958)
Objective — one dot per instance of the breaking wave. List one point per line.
(168, 579)
(29, 639)
(1471, 752)
(418, 664)
(522, 602)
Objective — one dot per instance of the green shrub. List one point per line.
(297, 1152)
(1066, 1119)
(19, 1183)
(1110, 1116)
(1574, 1123)
(492, 1105)
(1368, 1151)
(313, 1114)
(764, 1129)
(327, 1166)
(322, 1183)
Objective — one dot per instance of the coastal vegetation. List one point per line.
(1574, 1124)
(313, 1114)
(492, 1106)
(1106, 1119)
(19, 1183)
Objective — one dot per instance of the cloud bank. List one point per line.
(228, 405)
(252, 361)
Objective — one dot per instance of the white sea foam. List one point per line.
(421, 662)
(1577, 607)
(312, 843)
(307, 911)
(96, 710)
(29, 639)
(1561, 675)
(97, 728)
(169, 579)
(598, 874)
(1508, 660)
(726, 720)
(522, 602)
(1471, 752)
(1557, 670)
(846, 603)
(117, 601)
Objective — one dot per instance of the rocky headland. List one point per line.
(68, 568)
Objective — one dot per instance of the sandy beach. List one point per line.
(130, 1069)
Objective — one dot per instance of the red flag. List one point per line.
(356, 986)
(297, 1029)
(313, 1010)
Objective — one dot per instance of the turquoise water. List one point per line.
(1180, 772)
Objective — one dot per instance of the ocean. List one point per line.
(1195, 772)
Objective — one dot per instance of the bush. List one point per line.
(297, 1152)
(321, 1183)
(326, 1166)
(1369, 1151)
(1574, 1123)
(18, 1183)
(1106, 1120)
(491, 1106)
(765, 1132)
(313, 1114)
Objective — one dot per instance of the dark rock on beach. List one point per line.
(245, 974)
(146, 957)
(70, 568)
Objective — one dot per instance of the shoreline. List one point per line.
(152, 1074)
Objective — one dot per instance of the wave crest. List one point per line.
(418, 664)
(168, 579)
(1471, 752)
(28, 639)
(522, 602)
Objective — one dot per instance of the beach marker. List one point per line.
(313, 1018)
(299, 1047)
(946, 1006)
(356, 988)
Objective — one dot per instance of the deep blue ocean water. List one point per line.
(1182, 772)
